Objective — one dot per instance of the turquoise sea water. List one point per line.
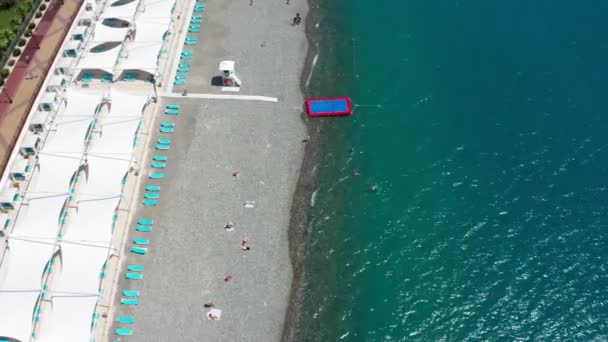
(490, 152)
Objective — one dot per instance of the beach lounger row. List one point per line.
(151, 196)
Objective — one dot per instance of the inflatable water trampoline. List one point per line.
(331, 106)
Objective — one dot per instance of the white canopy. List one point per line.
(127, 105)
(103, 33)
(116, 9)
(151, 30)
(105, 60)
(31, 247)
(40, 219)
(70, 319)
(105, 175)
(118, 136)
(80, 104)
(53, 174)
(142, 56)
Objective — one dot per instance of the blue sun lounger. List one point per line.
(140, 241)
(197, 16)
(187, 52)
(194, 26)
(124, 332)
(162, 147)
(186, 56)
(184, 64)
(135, 268)
(173, 106)
(191, 38)
(153, 188)
(164, 141)
(129, 301)
(139, 250)
(160, 158)
(144, 229)
(192, 30)
(196, 21)
(167, 124)
(150, 203)
(134, 276)
(126, 320)
(190, 42)
(180, 77)
(179, 82)
(153, 195)
(145, 222)
(130, 293)
(167, 130)
(156, 175)
(158, 165)
(183, 69)
(199, 9)
(172, 111)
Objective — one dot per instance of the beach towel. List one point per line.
(214, 314)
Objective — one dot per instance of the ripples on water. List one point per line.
(490, 222)
(505, 255)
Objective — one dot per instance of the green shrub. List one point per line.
(21, 42)
(11, 62)
(4, 73)
(38, 15)
(1, 82)
(28, 33)
(31, 26)
(16, 52)
(42, 7)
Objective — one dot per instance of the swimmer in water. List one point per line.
(373, 188)
(356, 172)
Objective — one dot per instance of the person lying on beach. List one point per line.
(209, 305)
(229, 226)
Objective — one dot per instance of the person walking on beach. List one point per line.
(297, 19)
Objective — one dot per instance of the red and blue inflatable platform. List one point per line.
(329, 106)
